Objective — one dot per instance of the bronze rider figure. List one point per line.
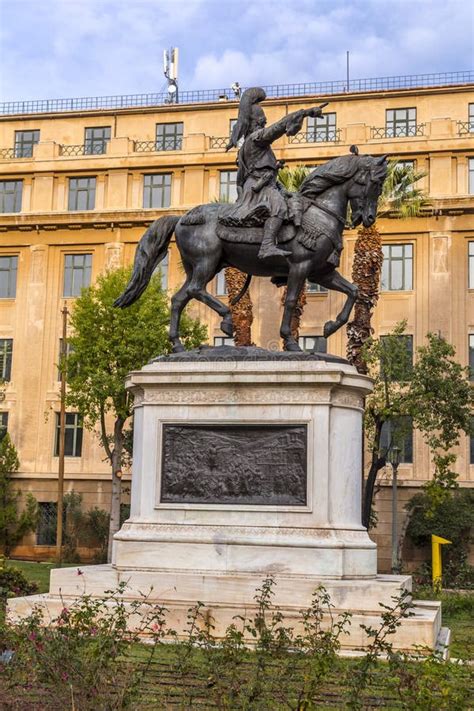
(260, 198)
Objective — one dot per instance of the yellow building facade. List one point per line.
(79, 187)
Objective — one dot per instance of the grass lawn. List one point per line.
(36, 572)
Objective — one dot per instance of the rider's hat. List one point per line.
(248, 109)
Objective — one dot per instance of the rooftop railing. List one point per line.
(130, 101)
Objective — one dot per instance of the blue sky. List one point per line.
(69, 48)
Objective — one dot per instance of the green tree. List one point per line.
(13, 524)
(107, 344)
(434, 392)
(400, 196)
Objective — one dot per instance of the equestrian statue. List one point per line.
(268, 232)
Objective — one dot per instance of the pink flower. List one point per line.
(79, 572)
(32, 636)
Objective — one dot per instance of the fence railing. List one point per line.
(130, 101)
(465, 128)
(314, 137)
(218, 142)
(163, 144)
(8, 153)
(83, 149)
(401, 132)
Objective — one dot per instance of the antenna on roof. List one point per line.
(170, 70)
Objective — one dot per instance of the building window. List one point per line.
(471, 265)
(69, 350)
(223, 341)
(397, 268)
(221, 284)
(315, 288)
(77, 273)
(8, 271)
(322, 128)
(398, 433)
(169, 136)
(228, 185)
(6, 355)
(313, 344)
(73, 435)
(401, 361)
(47, 523)
(471, 357)
(162, 270)
(10, 195)
(471, 118)
(3, 424)
(24, 142)
(96, 139)
(157, 190)
(471, 176)
(400, 122)
(81, 194)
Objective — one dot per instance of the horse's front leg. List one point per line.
(296, 282)
(336, 282)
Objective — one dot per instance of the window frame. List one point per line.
(85, 268)
(470, 117)
(402, 127)
(316, 289)
(25, 146)
(3, 423)
(12, 276)
(96, 145)
(171, 140)
(6, 359)
(225, 341)
(163, 270)
(75, 191)
(391, 424)
(52, 530)
(470, 175)
(404, 259)
(77, 438)
(16, 192)
(321, 129)
(152, 188)
(470, 264)
(303, 342)
(227, 186)
(220, 287)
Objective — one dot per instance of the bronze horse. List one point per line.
(315, 247)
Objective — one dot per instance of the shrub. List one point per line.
(452, 518)
(14, 584)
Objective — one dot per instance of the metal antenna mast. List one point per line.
(170, 70)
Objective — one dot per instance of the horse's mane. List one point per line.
(334, 172)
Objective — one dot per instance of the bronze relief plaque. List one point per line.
(263, 465)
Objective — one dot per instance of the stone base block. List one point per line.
(226, 596)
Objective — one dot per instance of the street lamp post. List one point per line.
(394, 459)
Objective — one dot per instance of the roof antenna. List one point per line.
(170, 70)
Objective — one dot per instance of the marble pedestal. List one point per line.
(296, 518)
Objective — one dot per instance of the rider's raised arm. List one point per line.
(290, 124)
(271, 133)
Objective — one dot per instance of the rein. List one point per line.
(341, 220)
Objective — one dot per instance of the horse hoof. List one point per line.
(329, 328)
(227, 327)
(293, 347)
(178, 348)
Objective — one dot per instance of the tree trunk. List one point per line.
(116, 497)
(368, 259)
(242, 313)
(298, 312)
(376, 465)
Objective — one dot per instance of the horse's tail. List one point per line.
(246, 285)
(151, 250)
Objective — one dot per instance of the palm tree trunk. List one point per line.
(368, 259)
(242, 312)
(298, 312)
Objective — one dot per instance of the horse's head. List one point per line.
(365, 189)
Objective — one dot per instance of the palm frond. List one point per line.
(292, 177)
(400, 193)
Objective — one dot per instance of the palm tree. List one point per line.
(400, 196)
(292, 179)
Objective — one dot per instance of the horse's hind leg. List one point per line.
(178, 302)
(197, 290)
(296, 282)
